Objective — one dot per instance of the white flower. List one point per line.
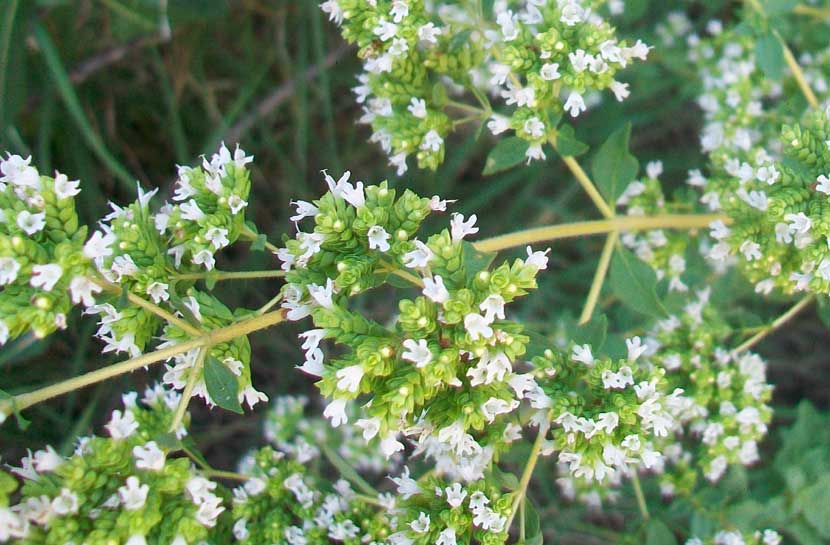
(575, 104)
(204, 257)
(17, 171)
(620, 90)
(98, 245)
(572, 13)
(455, 495)
(400, 9)
(190, 211)
(46, 276)
(799, 223)
(9, 267)
(370, 427)
(389, 445)
(47, 460)
(477, 326)
(493, 307)
(494, 406)
(399, 162)
(348, 378)
(236, 204)
(322, 294)
(432, 141)
(407, 487)
(579, 60)
(336, 412)
(446, 537)
(417, 352)
(421, 524)
(378, 238)
(429, 33)
(498, 124)
(535, 153)
(611, 380)
(218, 237)
(121, 425)
(635, 348)
(385, 30)
(158, 292)
(418, 258)
(823, 184)
(64, 188)
(583, 354)
(460, 228)
(537, 259)
(550, 71)
(435, 290)
(82, 290)
(31, 223)
(149, 456)
(751, 250)
(66, 503)
(134, 494)
(418, 107)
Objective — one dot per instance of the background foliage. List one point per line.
(106, 91)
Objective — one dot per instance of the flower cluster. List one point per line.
(289, 429)
(282, 503)
(726, 537)
(123, 488)
(433, 510)
(43, 266)
(541, 57)
(608, 414)
(450, 350)
(723, 413)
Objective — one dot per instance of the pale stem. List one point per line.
(224, 275)
(638, 492)
(588, 186)
(270, 304)
(775, 325)
(584, 228)
(251, 236)
(819, 13)
(229, 475)
(24, 401)
(533, 457)
(187, 393)
(599, 277)
(151, 307)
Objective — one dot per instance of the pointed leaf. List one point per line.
(635, 283)
(770, 56)
(614, 167)
(222, 385)
(507, 153)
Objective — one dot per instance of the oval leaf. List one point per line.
(635, 283)
(508, 153)
(222, 385)
(614, 167)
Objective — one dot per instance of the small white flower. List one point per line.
(322, 295)
(158, 292)
(66, 503)
(421, 524)
(204, 257)
(389, 445)
(46, 276)
(435, 290)
(218, 237)
(336, 412)
(378, 238)
(82, 290)
(455, 495)
(190, 211)
(133, 494)
(498, 124)
(98, 245)
(446, 537)
(9, 267)
(550, 71)
(799, 223)
(751, 250)
(31, 223)
(370, 427)
(417, 352)
(477, 326)
(493, 307)
(432, 141)
(823, 184)
(460, 228)
(575, 104)
(348, 378)
(635, 348)
(583, 354)
(418, 258)
(149, 456)
(65, 188)
(418, 107)
(620, 90)
(121, 425)
(429, 33)
(537, 259)
(534, 127)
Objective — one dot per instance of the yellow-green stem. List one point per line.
(219, 276)
(777, 324)
(811, 11)
(24, 401)
(599, 277)
(638, 492)
(251, 236)
(187, 393)
(588, 186)
(585, 228)
(220, 474)
(532, 458)
(150, 307)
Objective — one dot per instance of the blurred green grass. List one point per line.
(117, 91)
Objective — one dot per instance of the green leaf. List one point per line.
(778, 7)
(346, 470)
(634, 10)
(506, 480)
(475, 261)
(635, 283)
(222, 385)
(814, 502)
(22, 423)
(487, 9)
(770, 56)
(533, 527)
(657, 533)
(614, 167)
(458, 41)
(507, 153)
(567, 144)
(593, 333)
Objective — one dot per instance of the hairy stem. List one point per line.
(776, 325)
(187, 393)
(23, 401)
(219, 276)
(599, 277)
(532, 458)
(638, 492)
(585, 228)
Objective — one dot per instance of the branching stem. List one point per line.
(775, 325)
(599, 277)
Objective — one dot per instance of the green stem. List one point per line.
(150, 307)
(228, 475)
(251, 236)
(187, 393)
(599, 277)
(23, 401)
(532, 458)
(638, 492)
(585, 181)
(219, 276)
(585, 228)
(777, 324)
